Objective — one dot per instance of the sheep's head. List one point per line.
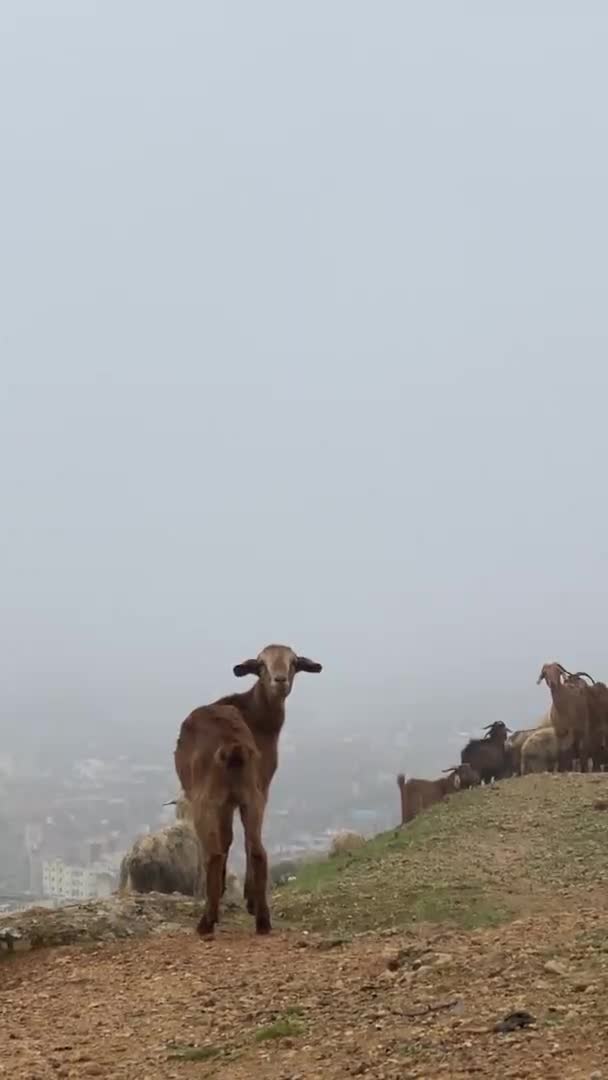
(463, 776)
(468, 776)
(552, 674)
(276, 666)
(497, 731)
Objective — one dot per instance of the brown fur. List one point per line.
(217, 763)
(597, 703)
(570, 714)
(263, 710)
(418, 795)
(226, 757)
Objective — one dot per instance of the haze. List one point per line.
(304, 336)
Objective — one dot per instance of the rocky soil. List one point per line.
(139, 997)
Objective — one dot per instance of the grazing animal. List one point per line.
(166, 861)
(225, 758)
(263, 710)
(597, 704)
(418, 795)
(540, 751)
(346, 842)
(488, 756)
(570, 714)
(513, 749)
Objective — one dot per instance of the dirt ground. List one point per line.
(418, 1003)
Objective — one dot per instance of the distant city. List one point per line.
(73, 800)
(64, 830)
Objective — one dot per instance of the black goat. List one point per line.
(488, 756)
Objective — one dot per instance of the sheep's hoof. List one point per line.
(205, 927)
(263, 924)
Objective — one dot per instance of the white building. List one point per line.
(64, 882)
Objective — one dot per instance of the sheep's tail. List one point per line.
(400, 780)
(231, 755)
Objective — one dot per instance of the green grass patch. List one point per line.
(477, 859)
(285, 1027)
(195, 1053)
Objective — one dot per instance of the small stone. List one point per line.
(441, 959)
(393, 958)
(389, 975)
(555, 968)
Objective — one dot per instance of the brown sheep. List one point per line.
(570, 714)
(418, 795)
(226, 757)
(597, 702)
(218, 765)
(263, 710)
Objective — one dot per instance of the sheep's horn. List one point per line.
(452, 768)
(585, 674)
(172, 802)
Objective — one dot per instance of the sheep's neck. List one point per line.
(265, 720)
(559, 696)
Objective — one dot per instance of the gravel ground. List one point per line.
(405, 1004)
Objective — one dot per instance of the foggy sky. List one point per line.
(304, 338)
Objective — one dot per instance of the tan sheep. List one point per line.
(345, 842)
(166, 861)
(540, 751)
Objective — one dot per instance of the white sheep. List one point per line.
(166, 861)
(540, 751)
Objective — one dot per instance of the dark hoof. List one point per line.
(263, 925)
(205, 927)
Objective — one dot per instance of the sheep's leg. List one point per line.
(207, 825)
(211, 914)
(199, 879)
(226, 837)
(248, 885)
(252, 817)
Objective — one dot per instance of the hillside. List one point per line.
(395, 962)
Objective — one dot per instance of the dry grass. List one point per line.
(478, 859)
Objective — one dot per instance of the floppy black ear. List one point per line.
(304, 664)
(248, 667)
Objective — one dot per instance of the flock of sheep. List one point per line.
(573, 731)
(227, 755)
